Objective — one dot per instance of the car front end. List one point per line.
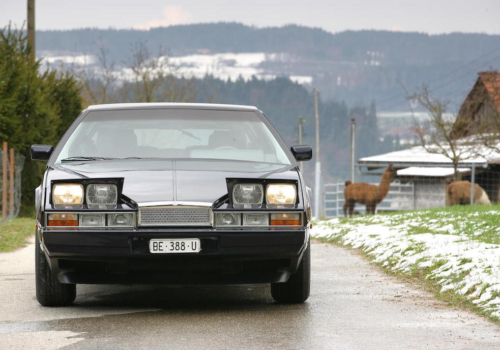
(207, 218)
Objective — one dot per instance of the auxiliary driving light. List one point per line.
(121, 220)
(92, 220)
(229, 219)
(252, 219)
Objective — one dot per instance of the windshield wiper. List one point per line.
(81, 158)
(187, 133)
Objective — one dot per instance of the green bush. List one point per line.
(35, 107)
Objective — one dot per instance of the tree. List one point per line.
(98, 83)
(442, 134)
(143, 78)
(35, 108)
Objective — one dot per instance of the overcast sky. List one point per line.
(431, 16)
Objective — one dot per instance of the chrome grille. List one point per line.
(174, 216)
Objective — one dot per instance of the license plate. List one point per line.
(181, 245)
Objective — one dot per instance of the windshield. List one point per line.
(173, 133)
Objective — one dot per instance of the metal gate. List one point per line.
(401, 196)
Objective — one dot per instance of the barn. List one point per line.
(429, 172)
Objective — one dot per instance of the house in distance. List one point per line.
(429, 173)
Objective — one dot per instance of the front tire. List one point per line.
(49, 291)
(296, 290)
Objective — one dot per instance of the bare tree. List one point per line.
(99, 83)
(443, 134)
(152, 78)
(143, 78)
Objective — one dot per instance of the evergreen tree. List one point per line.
(34, 107)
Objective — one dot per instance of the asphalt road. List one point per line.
(352, 306)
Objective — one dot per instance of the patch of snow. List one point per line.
(69, 60)
(220, 65)
(458, 263)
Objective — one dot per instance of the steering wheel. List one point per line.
(226, 147)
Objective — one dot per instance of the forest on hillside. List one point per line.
(352, 66)
(352, 46)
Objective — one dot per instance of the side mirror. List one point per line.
(41, 152)
(302, 152)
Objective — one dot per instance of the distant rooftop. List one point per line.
(157, 105)
(430, 172)
(418, 156)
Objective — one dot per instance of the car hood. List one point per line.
(180, 181)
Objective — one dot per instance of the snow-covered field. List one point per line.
(458, 248)
(220, 65)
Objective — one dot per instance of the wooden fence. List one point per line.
(10, 183)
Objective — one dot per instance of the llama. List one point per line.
(458, 192)
(370, 195)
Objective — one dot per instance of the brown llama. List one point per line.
(370, 195)
(458, 192)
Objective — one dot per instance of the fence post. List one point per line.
(12, 181)
(472, 183)
(337, 200)
(4, 180)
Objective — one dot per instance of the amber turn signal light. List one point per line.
(63, 220)
(285, 219)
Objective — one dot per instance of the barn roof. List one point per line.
(491, 81)
(487, 87)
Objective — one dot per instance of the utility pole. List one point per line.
(353, 147)
(301, 139)
(317, 175)
(31, 27)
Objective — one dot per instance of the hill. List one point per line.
(354, 66)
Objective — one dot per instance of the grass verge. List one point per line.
(13, 234)
(452, 252)
(478, 222)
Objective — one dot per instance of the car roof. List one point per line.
(157, 105)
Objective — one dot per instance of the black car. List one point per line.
(172, 194)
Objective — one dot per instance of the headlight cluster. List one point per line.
(91, 219)
(67, 194)
(281, 195)
(232, 219)
(248, 195)
(72, 195)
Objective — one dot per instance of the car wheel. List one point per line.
(297, 288)
(49, 291)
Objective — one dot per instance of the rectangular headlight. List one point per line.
(92, 220)
(121, 220)
(101, 194)
(248, 195)
(281, 195)
(228, 219)
(67, 194)
(255, 219)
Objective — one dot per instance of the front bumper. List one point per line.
(227, 256)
